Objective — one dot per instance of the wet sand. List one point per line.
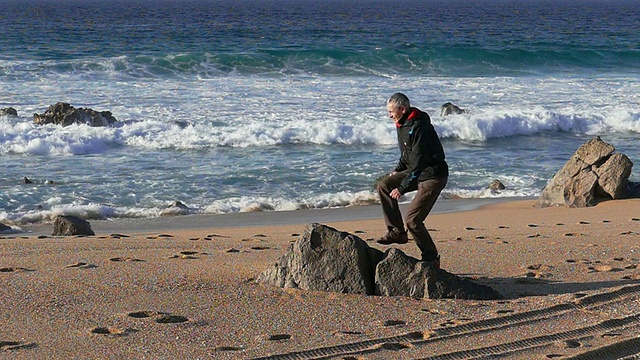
(185, 289)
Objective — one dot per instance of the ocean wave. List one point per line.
(21, 136)
(241, 204)
(454, 61)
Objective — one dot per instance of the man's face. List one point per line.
(395, 112)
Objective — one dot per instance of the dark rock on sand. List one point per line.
(64, 114)
(71, 225)
(325, 259)
(401, 275)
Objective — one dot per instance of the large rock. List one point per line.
(71, 225)
(4, 228)
(64, 114)
(613, 176)
(451, 109)
(8, 112)
(592, 174)
(400, 275)
(325, 259)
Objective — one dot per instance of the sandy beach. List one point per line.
(569, 278)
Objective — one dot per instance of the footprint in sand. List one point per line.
(171, 319)
(279, 337)
(113, 331)
(160, 317)
(228, 348)
(118, 236)
(13, 269)
(187, 254)
(603, 268)
(394, 323)
(218, 236)
(539, 267)
(144, 314)
(574, 234)
(506, 311)
(393, 346)
(632, 277)
(159, 236)
(121, 259)
(569, 344)
(82, 265)
(15, 345)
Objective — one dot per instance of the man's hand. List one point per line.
(395, 194)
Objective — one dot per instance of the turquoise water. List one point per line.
(264, 105)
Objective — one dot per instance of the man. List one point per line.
(421, 167)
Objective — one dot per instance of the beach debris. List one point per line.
(64, 114)
(451, 109)
(8, 111)
(593, 174)
(71, 225)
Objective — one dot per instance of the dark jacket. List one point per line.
(421, 153)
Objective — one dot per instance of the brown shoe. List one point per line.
(393, 237)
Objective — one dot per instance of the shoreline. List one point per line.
(262, 218)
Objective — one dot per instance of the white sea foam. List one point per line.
(24, 137)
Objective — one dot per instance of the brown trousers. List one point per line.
(419, 208)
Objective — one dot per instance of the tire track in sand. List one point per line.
(420, 338)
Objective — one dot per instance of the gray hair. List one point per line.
(399, 100)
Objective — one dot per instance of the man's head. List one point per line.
(397, 106)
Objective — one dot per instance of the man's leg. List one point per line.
(396, 233)
(390, 208)
(421, 205)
